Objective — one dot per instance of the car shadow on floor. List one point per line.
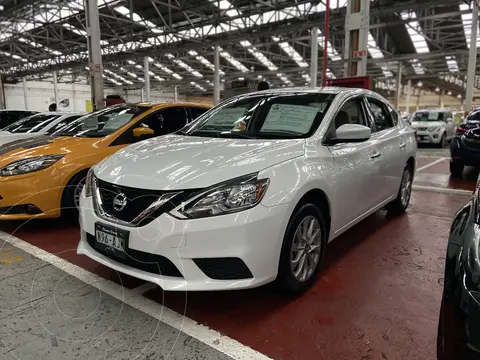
(256, 304)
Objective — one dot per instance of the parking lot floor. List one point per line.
(377, 295)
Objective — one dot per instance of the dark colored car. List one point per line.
(8, 117)
(459, 324)
(465, 147)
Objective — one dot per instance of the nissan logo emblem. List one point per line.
(119, 202)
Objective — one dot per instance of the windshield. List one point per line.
(428, 116)
(474, 116)
(264, 116)
(102, 122)
(31, 124)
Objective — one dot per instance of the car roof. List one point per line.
(170, 104)
(318, 90)
(60, 113)
(18, 110)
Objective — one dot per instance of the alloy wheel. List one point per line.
(406, 188)
(306, 249)
(77, 192)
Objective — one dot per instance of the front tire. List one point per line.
(443, 141)
(71, 194)
(456, 168)
(401, 202)
(302, 250)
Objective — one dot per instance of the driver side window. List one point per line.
(350, 113)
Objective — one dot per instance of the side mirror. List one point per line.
(352, 133)
(142, 131)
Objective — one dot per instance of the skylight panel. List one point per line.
(257, 54)
(467, 25)
(119, 77)
(291, 52)
(419, 43)
(81, 32)
(13, 56)
(452, 63)
(376, 53)
(331, 51)
(137, 18)
(414, 30)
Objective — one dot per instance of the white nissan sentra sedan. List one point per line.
(249, 193)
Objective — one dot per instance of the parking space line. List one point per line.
(432, 163)
(442, 190)
(210, 337)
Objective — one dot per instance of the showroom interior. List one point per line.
(98, 77)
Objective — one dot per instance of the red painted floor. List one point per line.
(377, 296)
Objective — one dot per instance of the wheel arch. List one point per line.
(319, 198)
(70, 180)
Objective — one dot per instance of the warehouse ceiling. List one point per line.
(267, 39)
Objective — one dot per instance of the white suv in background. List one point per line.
(433, 126)
(249, 193)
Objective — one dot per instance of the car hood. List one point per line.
(428, 124)
(186, 162)
(43, 145)
(6, 137)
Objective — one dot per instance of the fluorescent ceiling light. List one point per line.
(260, 57)
(204, 61)
(167, 70)
(237, 64)
(187, 67)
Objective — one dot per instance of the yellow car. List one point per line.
(40, 177)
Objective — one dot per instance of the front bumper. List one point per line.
(254, 236)
(34, 195)
(426, 137)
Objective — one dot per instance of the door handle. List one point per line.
(402, 145)
(375, 154)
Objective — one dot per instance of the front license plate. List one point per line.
(111, 240)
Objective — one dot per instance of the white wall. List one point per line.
(41, 95)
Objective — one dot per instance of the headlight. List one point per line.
(29, 165)
(226, 198)
(89, 183)
(434, 129)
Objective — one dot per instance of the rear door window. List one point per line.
(381, 116)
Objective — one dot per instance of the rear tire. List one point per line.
(401, 202)
(456, 168)
(302, 250)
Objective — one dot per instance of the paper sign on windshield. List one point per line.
(226, 117)
(296, 118)
(90, 123)
(432, 115)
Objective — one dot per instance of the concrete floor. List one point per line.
(377, 297)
